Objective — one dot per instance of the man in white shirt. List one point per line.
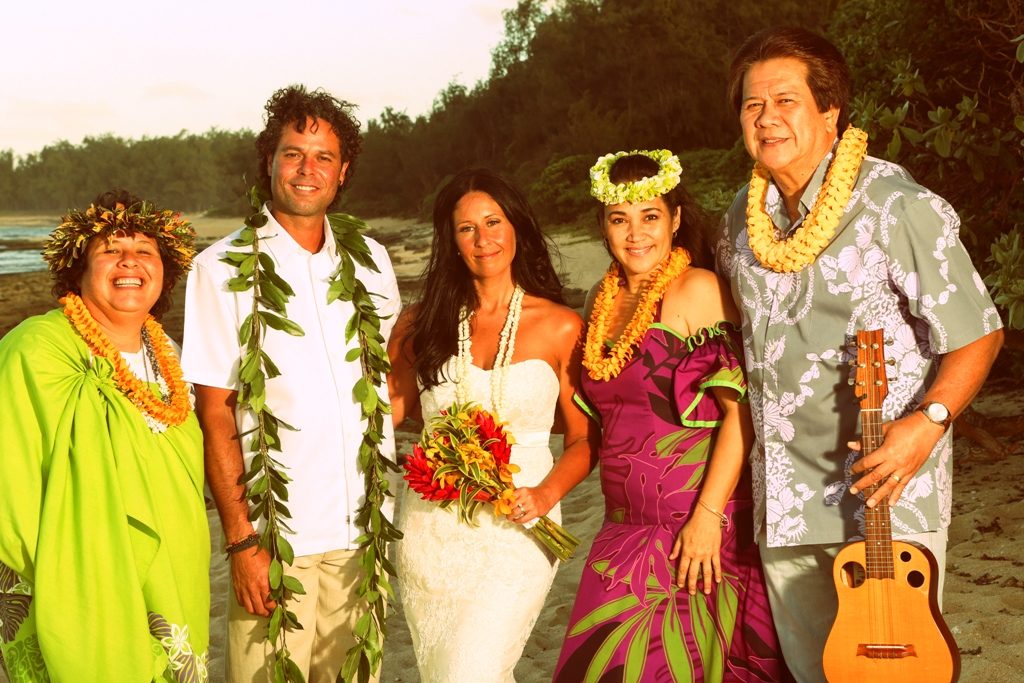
(306, 152)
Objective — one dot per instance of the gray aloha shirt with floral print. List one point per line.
(896, 263)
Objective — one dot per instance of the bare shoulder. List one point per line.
(552, 318)
(698, 298)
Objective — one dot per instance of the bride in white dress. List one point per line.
(471, 594)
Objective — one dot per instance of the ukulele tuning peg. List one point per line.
(851, 381)
(890, 361)
(888, 342)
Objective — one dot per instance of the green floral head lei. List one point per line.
(643, 190)
(174, 236)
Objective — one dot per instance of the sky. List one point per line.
(71, 69)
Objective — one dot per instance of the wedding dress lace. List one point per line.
(471, 595)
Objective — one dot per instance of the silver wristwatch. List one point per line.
(937, 413)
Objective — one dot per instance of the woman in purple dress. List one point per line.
(672, 589)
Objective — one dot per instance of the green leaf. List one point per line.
(275, 574)
(285, 549)
(279, 323)
(727, 602)
(677, 653)
(293, 585)
(274, 628)
(636, 651)
(235, 258)
(895, 145)
(599, 662)
(604, 613)
(706, 636)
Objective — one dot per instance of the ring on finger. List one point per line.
(895, 477)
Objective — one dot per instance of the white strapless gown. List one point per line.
(471, 595)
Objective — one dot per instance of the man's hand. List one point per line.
(250, 576)
(906, 445)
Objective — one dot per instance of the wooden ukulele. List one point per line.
(888, 626)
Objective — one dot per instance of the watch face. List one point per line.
(936, 412)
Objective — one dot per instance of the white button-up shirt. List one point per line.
(313, 392)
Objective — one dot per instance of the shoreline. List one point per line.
(984, 592)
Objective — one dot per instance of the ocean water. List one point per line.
(20, 248)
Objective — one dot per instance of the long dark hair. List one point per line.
(447, 282)
(692, 233)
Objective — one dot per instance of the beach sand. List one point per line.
(984, 596)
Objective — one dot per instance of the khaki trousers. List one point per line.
(328, 613)
(803, 597)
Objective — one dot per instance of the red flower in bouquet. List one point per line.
(464, 457)
(420, 475)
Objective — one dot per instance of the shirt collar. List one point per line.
(284, 246)
(780, 217)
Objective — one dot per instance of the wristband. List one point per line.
(247, 542)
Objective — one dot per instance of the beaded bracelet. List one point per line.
(724, 519)
(247, 542)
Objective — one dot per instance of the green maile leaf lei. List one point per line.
(265, 480)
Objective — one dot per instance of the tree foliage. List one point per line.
(940, 89)
(939, 86)
(570, 81)
(187, 172)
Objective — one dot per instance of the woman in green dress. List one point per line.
(104, 543)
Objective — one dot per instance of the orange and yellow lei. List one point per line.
(601, 364)
(171, 413)
(818, 228)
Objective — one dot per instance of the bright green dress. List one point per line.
(104, 542)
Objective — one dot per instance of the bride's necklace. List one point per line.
(171, 407)
(819, 226)
(506, 347)
(602, 363)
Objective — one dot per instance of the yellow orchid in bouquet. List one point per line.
(463, 457)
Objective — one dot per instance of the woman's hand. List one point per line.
(531, 503)
(697, 548)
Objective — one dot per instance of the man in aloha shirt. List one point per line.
(895, 263)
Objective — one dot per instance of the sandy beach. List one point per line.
(984, 596)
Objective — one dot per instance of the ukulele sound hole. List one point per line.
(915, 579)
(853, 574)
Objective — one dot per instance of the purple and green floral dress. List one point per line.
(630, 622)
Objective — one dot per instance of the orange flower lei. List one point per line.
(818, 228)
(602, 366)
(171, 413)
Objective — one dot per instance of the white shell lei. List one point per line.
(149, 361)
(506, 347)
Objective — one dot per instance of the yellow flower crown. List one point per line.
(174, 235)
(643, 190)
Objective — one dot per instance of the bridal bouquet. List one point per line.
(463, 457)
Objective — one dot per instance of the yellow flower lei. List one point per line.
(171, 413)
(818, 228)
(602, 366)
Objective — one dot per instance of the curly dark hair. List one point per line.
(447, 282)
(70, 279)
(293, 106)
(828, 75)
(692, 233)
